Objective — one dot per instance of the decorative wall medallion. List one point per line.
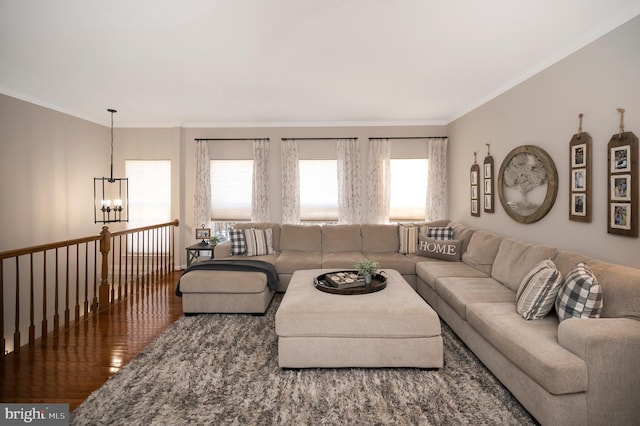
(527, 183)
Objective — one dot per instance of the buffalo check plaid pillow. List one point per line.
(580, 295)
(440, 232)
(238, 242)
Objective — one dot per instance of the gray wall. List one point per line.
(543, 111)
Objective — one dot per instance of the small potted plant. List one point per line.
(366, 268)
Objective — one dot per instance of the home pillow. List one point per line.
(238, 242)
(440, 232)
(580, 295)
(538, 290)
(259, 242)
(439, 249)
(409, 237)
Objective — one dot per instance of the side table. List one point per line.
(193, 252)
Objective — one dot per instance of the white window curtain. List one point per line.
(260, 188)
(379, 180)
(437, 207)
(290, 182)
(349, 200)
(202, 187)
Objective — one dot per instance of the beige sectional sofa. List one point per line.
(573, 372)
(577, 371)
(300, 247)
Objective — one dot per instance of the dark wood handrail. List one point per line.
(74, 289)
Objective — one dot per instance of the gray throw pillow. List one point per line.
(439, 249)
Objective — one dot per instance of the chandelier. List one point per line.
(111, 195)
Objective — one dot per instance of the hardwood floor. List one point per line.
(66, 368)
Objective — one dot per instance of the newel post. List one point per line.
(105, 248)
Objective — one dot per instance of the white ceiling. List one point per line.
(208, 63)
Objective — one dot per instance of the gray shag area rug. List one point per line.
(223, 369)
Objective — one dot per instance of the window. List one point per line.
(408, 193)
(318, 190)
(231, 186)
(149, 201)
(149, 192)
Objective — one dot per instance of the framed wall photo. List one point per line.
(579, 179)
(620, 159)
(474, 178)
(203, 233)
(621, 216)
(488, 202)
(474, 208)
(488, 183)
(578, 204)
(580, 176)
(578, 155)
(623, 188)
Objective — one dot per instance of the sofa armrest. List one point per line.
(222, 250)
(610, 347)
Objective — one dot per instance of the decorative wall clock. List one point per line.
(527, 183)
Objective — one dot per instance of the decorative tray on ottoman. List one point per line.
(349, 282)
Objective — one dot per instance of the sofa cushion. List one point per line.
(259, 242)
(430, 271)
(481, 251)
(450, 250)
(202, 281)
(338, 238)
(440, 232)
(238, 242)
(580, 295)
(341, 260)
(408, 233)
(464, 233)
(516, 258)
(301, 237)
(290, 261)
(393, 260)
(537, 293)
(459, 293)
(380, 238)
(531, 345)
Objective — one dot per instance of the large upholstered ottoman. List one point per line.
(393, 327)
(225, 292)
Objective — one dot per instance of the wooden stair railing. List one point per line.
(129, 260)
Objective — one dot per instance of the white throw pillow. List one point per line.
(409, 237)
(259, 241)
(538, 290)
